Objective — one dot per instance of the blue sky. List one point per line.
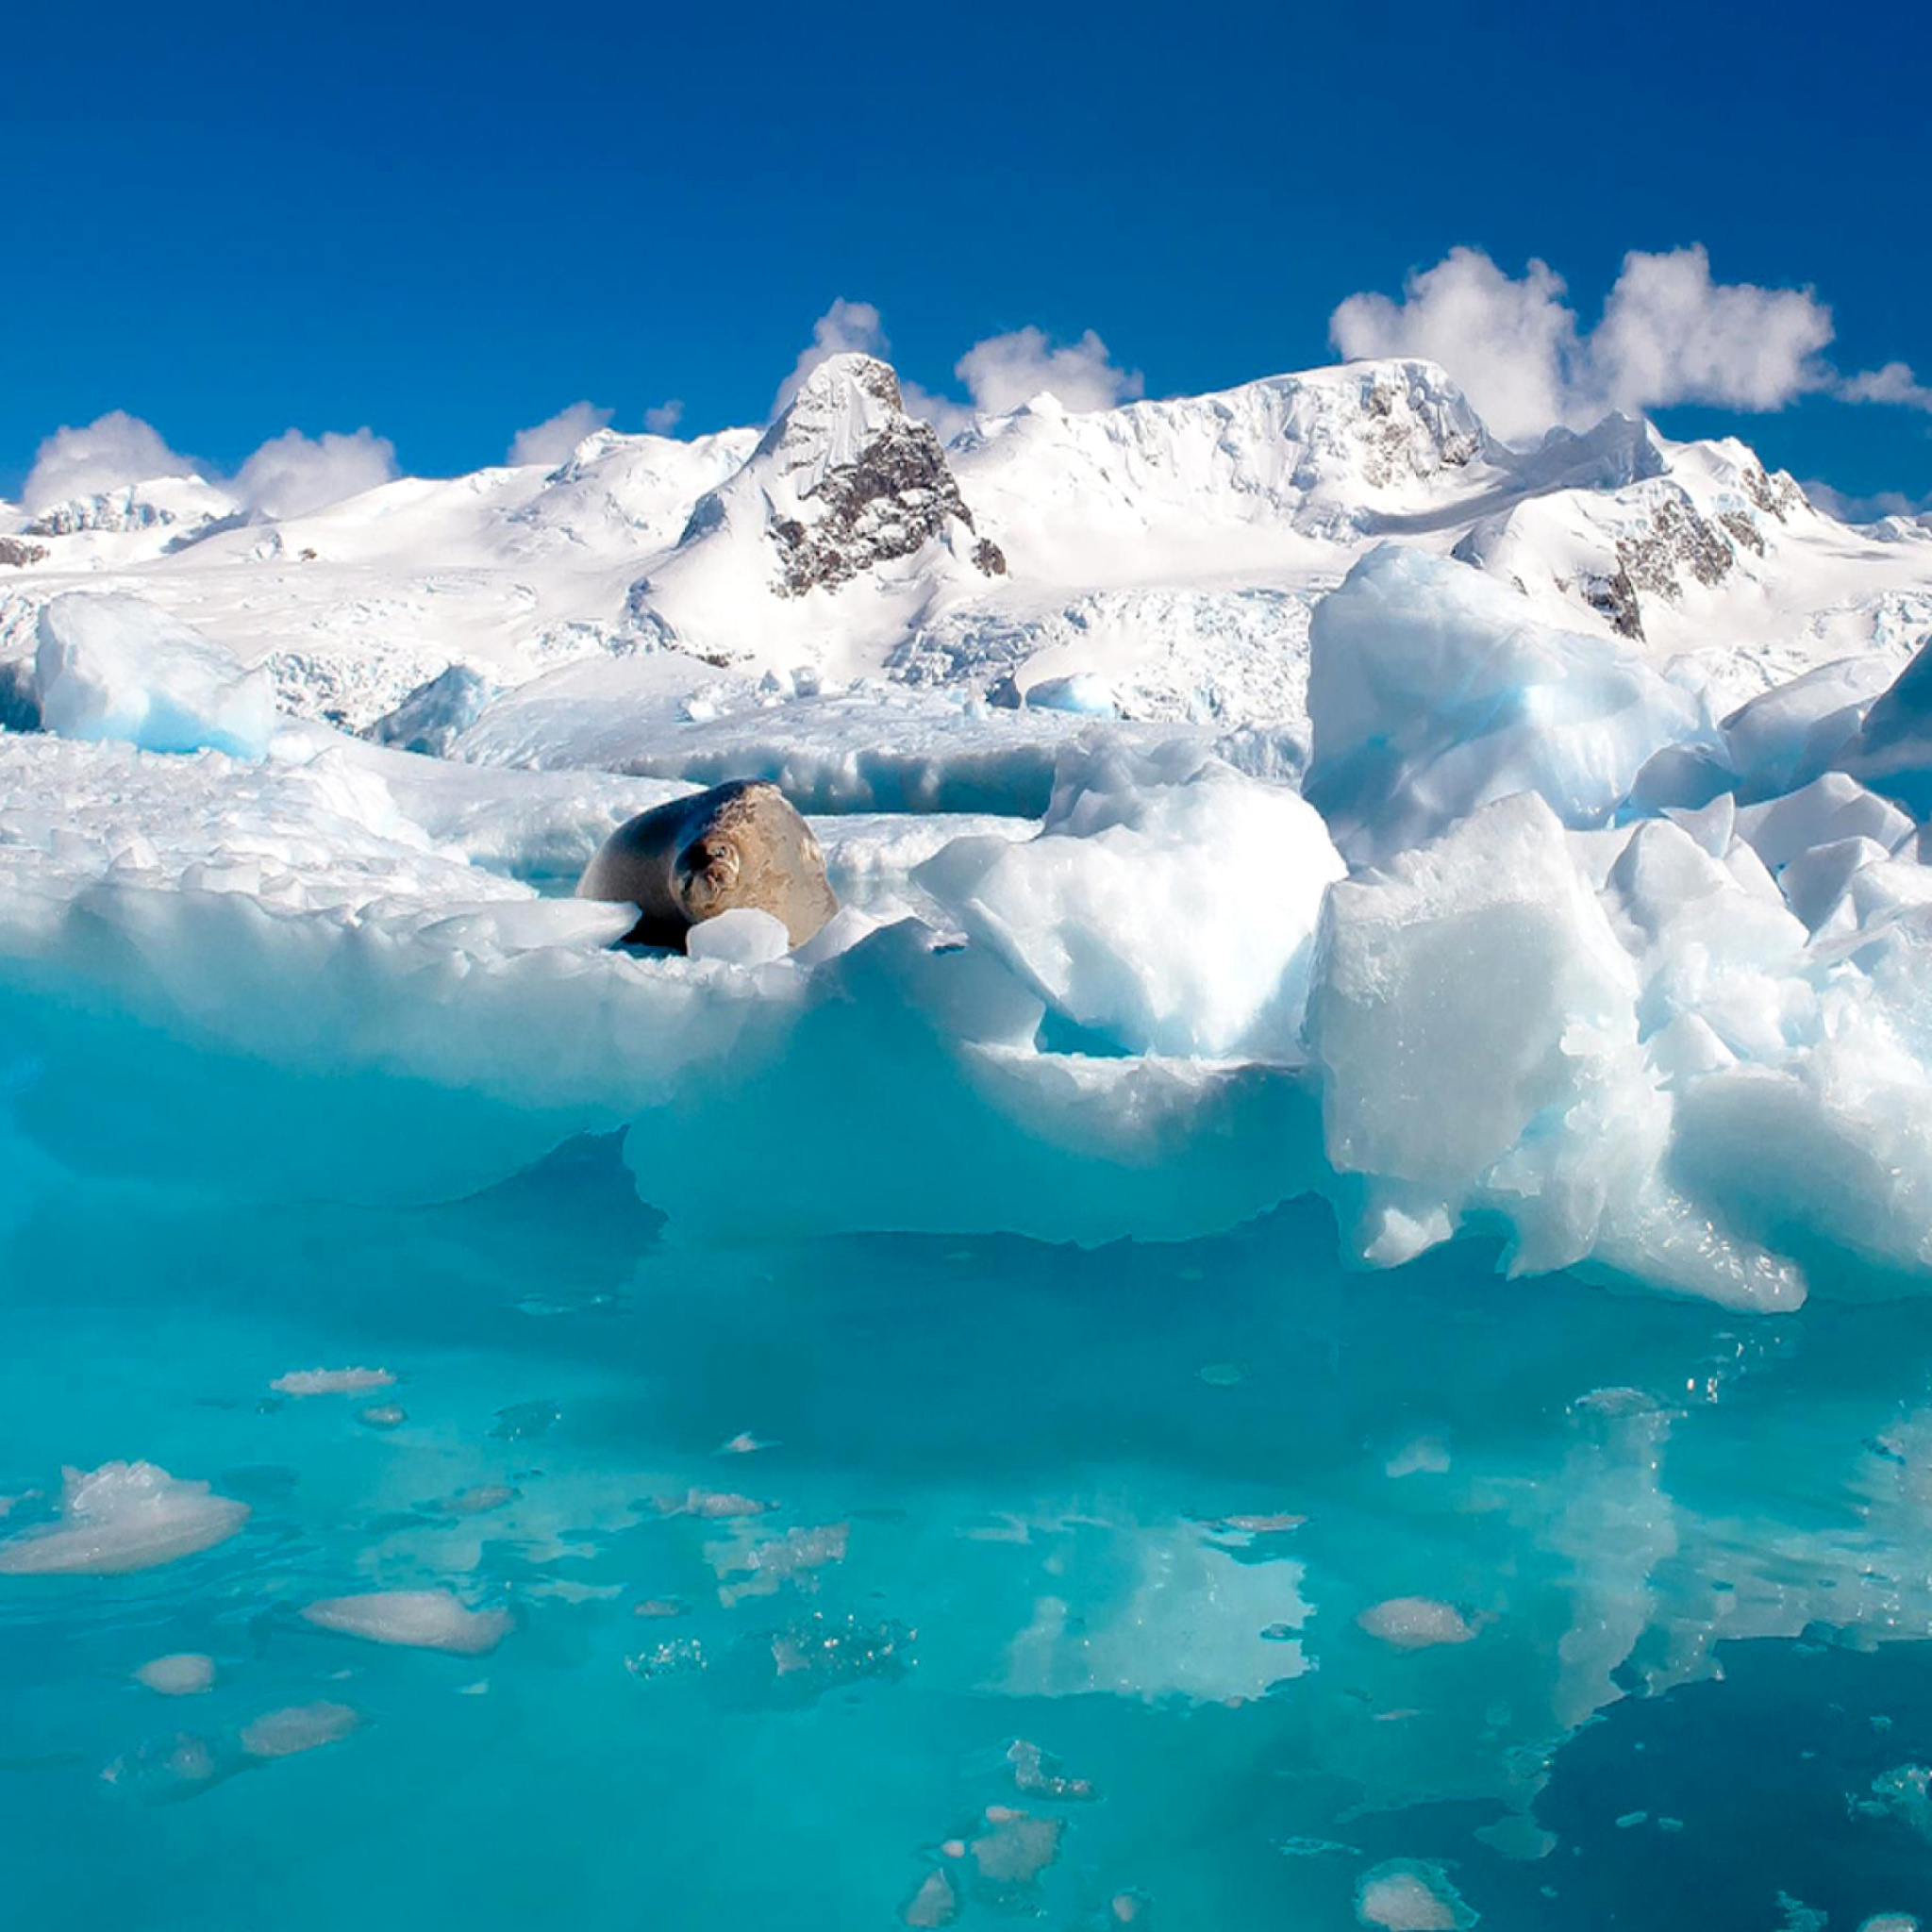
(448, 223)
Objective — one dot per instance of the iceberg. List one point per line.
(110, 666)
(1434, 690)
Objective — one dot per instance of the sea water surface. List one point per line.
(889, 1580)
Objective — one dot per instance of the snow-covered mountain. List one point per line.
(1168, 553)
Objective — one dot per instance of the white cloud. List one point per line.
(1669, 334)
(551, 440)
(843, 327)
(1511, 344)
(663, 417)
(1894, 383)
(292, 475)
(111, 450)
(1005, 371)
(946, 416)
(1000, 373)
(1865, 509)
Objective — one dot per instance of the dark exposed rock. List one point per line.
(1678, 539)
(990, 559)
(896, 497)
(1613, 597)
(1743, 530)
(1773, 495)
(18, 552)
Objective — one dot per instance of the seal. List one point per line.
(738, 845)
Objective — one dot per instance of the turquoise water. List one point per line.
(1019, 1494)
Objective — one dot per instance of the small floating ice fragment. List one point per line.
(1415, 1623)
(1039, 1775)
(657, 1606)
(710, 1503)
(680, 1657)
(420, 1619)
(789, 1558)
(299, 1728)
(1424, 1455)
(744, 1443)
(935, 1903)
(166, 1769)
(1224, 1375)
(821, 1650)
(1016, 1847)
(522, 1420)
(383, 1415)
(181, 1674)
(1405, 1895)
(1278, 1522)
(478, 1499)
(120, 1517)
(331, 1381)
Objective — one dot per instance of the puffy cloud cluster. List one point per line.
(1000, 373)
(1849, 508)
(845, 328)
(1894, 383)
(1005, 371)
(1511, 344)
(112, 450)
(551, 440)
(291, 474)
(288, 475)
(1668, 333)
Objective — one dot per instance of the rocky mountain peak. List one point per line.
(846, 480)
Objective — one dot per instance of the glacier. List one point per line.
(1314, 1296)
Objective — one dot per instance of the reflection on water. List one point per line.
(887, 1581)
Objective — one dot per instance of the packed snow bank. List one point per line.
(1432, 692)
(122, 1516)
(113, 666)
(1168, 905)
(867, 747)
